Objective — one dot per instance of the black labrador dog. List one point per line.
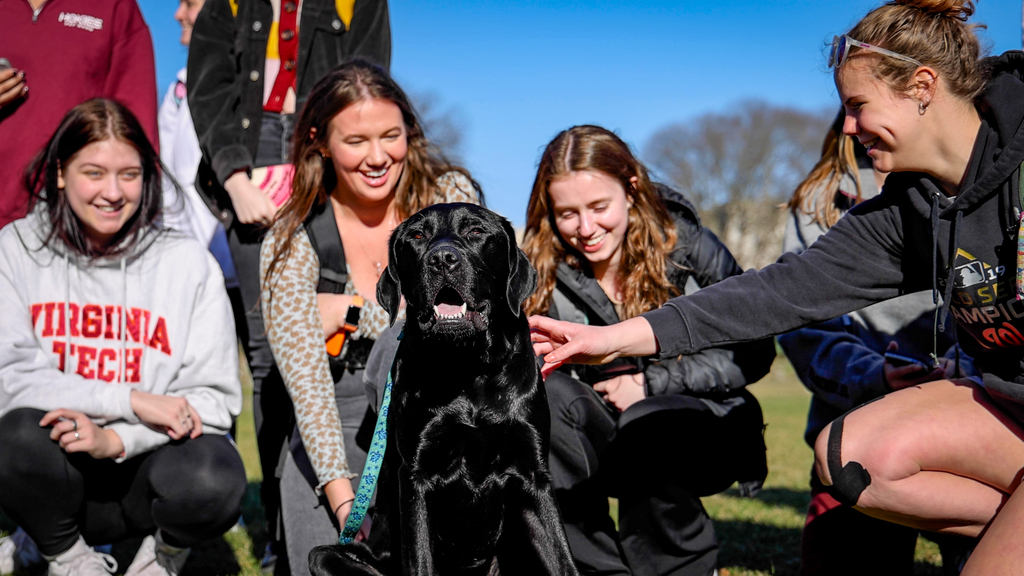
(464, 487)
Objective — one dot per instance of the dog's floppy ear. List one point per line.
(389, 287)
(522, 278)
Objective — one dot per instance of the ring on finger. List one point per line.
(75, 422)
(77, 436)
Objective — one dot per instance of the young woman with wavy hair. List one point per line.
(608, 245)
(362, 166)
(946, 455)
(118, 362)
(843, 363)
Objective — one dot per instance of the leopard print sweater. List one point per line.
(297, 340)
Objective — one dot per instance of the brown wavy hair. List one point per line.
(816, 195)
(315, 179)
(94, 121)
(933, 32)
(650, 235)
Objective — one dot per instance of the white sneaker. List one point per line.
(157, 558)
(81, 560)
(7, 549)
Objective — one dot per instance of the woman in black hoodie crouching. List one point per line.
(943, 456)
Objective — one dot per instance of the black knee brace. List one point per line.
(848, 482)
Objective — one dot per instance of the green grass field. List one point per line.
(758, 536)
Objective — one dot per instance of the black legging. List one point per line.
(191, 490)
(658, 457)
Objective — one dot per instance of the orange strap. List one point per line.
(337, 340)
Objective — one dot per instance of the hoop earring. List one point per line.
(921, 108)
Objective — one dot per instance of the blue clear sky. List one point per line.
(518, 72)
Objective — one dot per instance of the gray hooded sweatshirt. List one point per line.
(157, 320)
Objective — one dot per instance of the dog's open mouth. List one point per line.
(449, 305)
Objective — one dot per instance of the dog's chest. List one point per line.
(477, 452)
(463, 446)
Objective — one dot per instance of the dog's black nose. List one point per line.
(444, 258)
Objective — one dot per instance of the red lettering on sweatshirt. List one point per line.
(86, 354)
(36, 309)
(108, 312)
(73, 323)
(48, 319)
(107, 366)
(100, 322)
(92, 321)
(132, 365)
(134, 323)
(58, 349)
(159, 340)
(107, 355)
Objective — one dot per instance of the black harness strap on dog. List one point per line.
(848, 482)
(323, 234)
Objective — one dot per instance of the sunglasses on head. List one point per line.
(841, 49)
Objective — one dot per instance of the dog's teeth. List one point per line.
(463, 312)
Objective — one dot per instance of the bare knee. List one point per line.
(821, 456)
(844, 475)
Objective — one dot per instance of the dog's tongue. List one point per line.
(448, 309)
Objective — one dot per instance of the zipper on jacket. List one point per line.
(36, 11)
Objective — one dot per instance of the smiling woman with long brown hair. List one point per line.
(946, 125)
(609, 244)
(363, 165)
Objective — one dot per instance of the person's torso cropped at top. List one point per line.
(228, 63)
(70, 51)
(86, 333)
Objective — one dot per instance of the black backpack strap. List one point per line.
(323, 234)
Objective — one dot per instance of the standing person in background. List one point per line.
(66, 51)
(248, 74)
(946, 455)
(180, 153)
(118, 366)
(608, 245)
(363, 165)
(841, 362)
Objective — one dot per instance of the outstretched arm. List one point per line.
(571, 343)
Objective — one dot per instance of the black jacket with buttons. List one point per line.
(225, 75)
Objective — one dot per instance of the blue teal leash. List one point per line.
(374, 459)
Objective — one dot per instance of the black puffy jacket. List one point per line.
(698, 260)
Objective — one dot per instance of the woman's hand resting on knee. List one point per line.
(172, 413)
(75, 432)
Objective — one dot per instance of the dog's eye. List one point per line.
(476, 231)
(417, 236)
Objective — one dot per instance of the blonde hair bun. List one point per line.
(960, 10)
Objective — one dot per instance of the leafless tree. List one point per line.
(445, 126)
(738, 167)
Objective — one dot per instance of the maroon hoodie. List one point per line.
(70, 50)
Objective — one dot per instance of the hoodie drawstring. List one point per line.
(67, 311)
(942, 311)
(124, 322)
(951, 272)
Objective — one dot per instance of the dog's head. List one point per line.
(458, 267)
